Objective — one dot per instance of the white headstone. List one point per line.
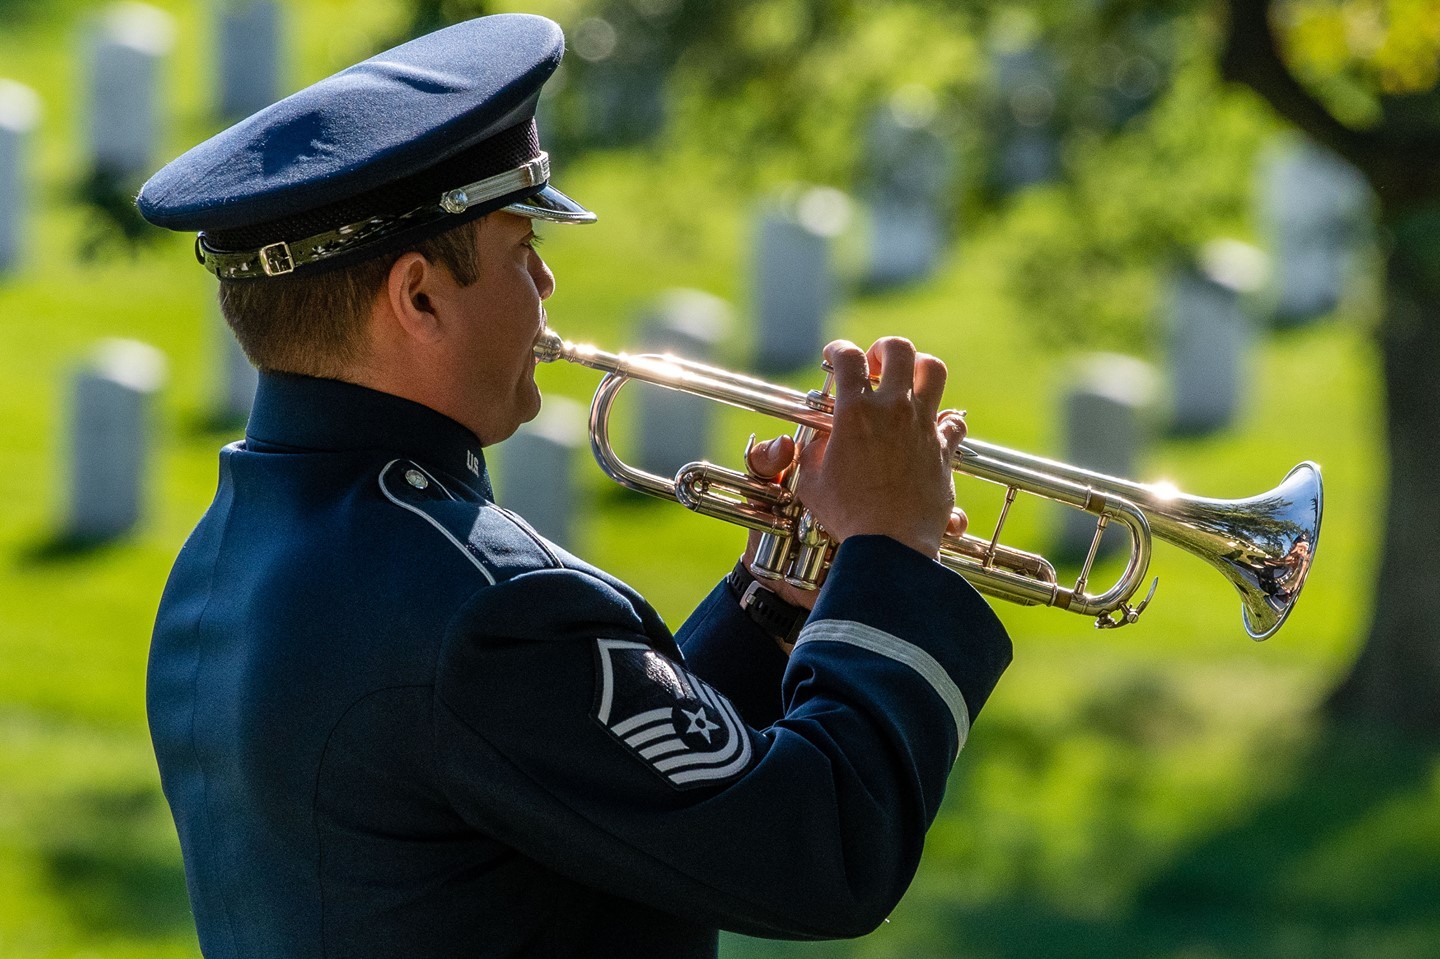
(1209, 331)
(19, 114)
(905, 243)
(1314, 207)
(1108, 411)
(537, 470)
(675, 427)
(126, 48)
(907, 189)
(1029, 156)
(794, 278)
(620, 61)
(1026, 86)
(248, 48)
(111, 407)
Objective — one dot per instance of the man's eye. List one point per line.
(534, 241)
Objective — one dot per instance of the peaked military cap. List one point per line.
(400, 147)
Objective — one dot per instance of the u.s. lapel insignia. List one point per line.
(666, 717)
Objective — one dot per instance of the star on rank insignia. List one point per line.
(668, 718)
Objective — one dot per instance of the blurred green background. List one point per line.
(1170, 789)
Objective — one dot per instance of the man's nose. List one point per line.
(544, 279)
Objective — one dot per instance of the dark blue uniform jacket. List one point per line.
(392, 721)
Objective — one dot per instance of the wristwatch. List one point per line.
(780, 620)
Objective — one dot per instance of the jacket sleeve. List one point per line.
(565, 734)
(724, 647)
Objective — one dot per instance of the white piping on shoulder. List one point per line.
(490, 577)
(892, 647)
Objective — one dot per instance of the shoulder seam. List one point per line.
(469, 554)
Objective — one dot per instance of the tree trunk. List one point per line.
(1396, 679)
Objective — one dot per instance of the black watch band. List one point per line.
(779, 619)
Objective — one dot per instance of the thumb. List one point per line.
(771, 458)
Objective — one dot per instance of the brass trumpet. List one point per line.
(1264, 545)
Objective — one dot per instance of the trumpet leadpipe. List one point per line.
(687, 376)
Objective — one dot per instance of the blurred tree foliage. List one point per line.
(14, 12)
(1085, 251)
(1154, 155)
(427, 16)
(1360, 56)
(778, 88)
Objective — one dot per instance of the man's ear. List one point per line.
(410, 294)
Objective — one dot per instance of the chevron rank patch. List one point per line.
(668, 718)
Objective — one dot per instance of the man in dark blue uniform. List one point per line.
(390, 719)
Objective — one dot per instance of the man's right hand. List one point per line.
(885, 468)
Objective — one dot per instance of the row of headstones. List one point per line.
(126, 48)
(1105, 413)
(112, 396)
(1314, 214)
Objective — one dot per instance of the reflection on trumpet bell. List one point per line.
(1264, 545)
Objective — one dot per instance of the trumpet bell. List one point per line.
(1264, 545)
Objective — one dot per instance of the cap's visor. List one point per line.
(550, 204)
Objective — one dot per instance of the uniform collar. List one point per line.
(304, 412)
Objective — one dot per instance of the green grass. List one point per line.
(1163, 790)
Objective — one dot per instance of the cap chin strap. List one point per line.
(278, 259)
(548, 204)
(535, 172)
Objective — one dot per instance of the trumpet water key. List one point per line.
(1264, 545)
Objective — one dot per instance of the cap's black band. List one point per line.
(280, 258)
(779, 619)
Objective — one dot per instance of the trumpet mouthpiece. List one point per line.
(548, 347)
